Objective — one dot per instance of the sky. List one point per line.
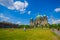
(20, 11)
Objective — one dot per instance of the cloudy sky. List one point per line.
(20, 11)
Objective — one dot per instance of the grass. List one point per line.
(29, 34)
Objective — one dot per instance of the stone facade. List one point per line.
(39, 21)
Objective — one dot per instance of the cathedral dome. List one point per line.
(44, 15)
(31, 18)
(38, 16)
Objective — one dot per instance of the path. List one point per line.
(56, 31)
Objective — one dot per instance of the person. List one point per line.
(24, 29)
(58, 29)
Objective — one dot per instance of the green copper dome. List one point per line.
(38, 16)
(44, 15)
(31, 18)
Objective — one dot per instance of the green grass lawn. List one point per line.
(29, 34)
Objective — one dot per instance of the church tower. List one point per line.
(38, 20)
(45, 20)
(31, 22)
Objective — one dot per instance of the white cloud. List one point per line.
(53, 21)
(56, 21)
(29, 12)
(18, 22)
(4, 18)
(11, 7)
(6, 3)
(18, 5)
(57, 10)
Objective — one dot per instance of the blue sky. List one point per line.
(20, 11)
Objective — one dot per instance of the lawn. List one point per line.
(29, 34)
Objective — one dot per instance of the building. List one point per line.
(8, 25)
(39, 21)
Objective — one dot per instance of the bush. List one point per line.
(22, 26)
(58, 26)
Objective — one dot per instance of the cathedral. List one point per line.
(39, 21)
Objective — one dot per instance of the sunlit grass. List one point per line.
(29, 34)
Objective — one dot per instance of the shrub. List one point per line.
(22, 26)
